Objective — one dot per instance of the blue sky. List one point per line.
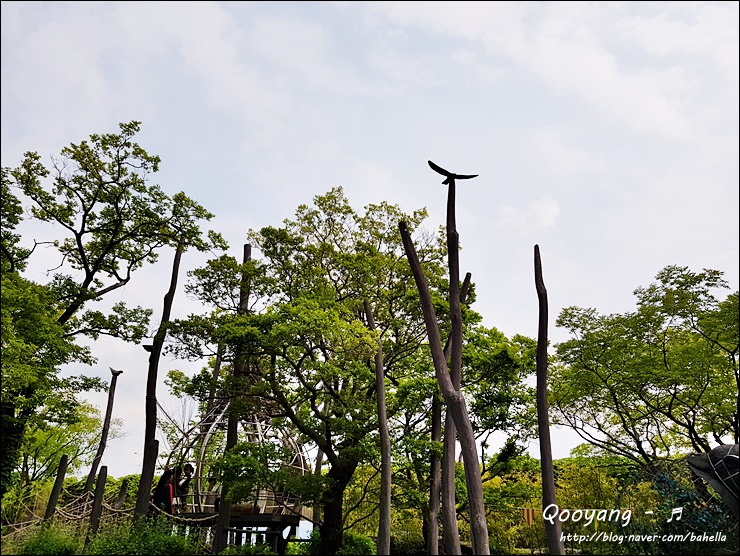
(605, 132)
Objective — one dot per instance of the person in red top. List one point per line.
(163, 492)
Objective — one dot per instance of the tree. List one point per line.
(113, 223)
(183, 232)
(43, 445)
(310, 349)
(661, 379)
(34, 346)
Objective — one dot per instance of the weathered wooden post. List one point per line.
(435, 473)
(106, 428)
(383, 543)
(445, 375)
(121, 500)
(97, 508)
(149, 459)
(57, 488)
(554, 530)
(223, 521)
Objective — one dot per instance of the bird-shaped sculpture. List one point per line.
(449, 176)
(114, 372)
(720, 467)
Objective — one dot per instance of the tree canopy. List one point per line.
(656, 381)
(112, 223)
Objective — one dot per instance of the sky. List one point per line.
(604, 132)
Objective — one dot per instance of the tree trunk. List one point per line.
(555, 545)
(316, 510)
(384, 524)
(454, 400)
(331, 530)
(150, 444)
(12, 428)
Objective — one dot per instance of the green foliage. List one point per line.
(105, 222)
(152, 537)
(44, 443)
(34, 345)
(302, 348)
(656, 381)
(52, 541)
(662, 488)
(408, 545)
(495, 372)
(24, 501)
(248, 549)
(353, 543)
(12, 255)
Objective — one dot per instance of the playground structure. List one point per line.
(268, 514)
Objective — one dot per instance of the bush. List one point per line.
(352, 544)
(156, 537)
(52, 540)
(248, 550)
(408, 546)
(359, 545)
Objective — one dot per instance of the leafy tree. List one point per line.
(44, 443)
(34, 346)
(496, 374)
(112, 223)
(306, 339)
(658, 380)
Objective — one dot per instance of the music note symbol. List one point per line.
(676, 511)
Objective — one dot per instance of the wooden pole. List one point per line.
(384, 518)
(455, 402)
(121, 500)
(57, 488)
(106, 428)
(151, 446)
(554, 530)
(435, 473)
(223, 521)
(97, 508)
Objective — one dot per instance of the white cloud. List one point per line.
(621, 116)
(539, 214)
(555, 148)
(590, 51)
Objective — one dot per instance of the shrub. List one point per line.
(52, 540)
(408, 546)
(352, 544)
(248, 550)
(359, 545)
(156, 537)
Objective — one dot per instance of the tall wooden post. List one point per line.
(97, 508)
(384, 518)
(453, 398)
(57, 488)
(220, 539)
(106, 428)
(555, 545)
(121, 500)
(149, 462)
